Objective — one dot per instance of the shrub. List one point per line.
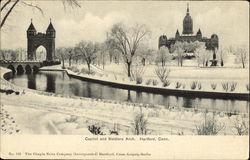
(166, 83)
(74, 69)
(71, 119)
(183, 85)
(148, 81)
(225, 86)
(86, 71)
(136, 73)
(155, 82)
(163, 73)
(69, 68)
(233, 86)
(180, 133)
(241, 127)
(138, 80)
(96, 130)
(213, 86)
(210, 126)
(193, 85)
(177, 85)
(114, 130)
(140, 124)
(199, 86)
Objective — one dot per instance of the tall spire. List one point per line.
(187, 23)
(177, 32)
(31, 27)
(50, 27)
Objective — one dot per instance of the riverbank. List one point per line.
(124, 83)
(46, 113)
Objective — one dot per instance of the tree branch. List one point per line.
(72, 3)
(8, 13)
(34, 6)
(5, 5)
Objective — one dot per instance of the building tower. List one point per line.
(177, 35)
(31, 32)
(51, 34)
(187, 23)
(199, 35)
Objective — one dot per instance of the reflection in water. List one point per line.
(88, 91)
(31, 81)
(50, 83)
(138, 95)
(129, 99)
(59, 82)
(188, 102)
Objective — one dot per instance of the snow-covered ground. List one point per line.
(41, 114)
(184, 75)
(45, 113)
(36, 112)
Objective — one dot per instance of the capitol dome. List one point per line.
(187, 23)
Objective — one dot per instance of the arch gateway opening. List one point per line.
(41, 53)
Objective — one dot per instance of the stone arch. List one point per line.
(28, 69)
(41, 39)
(11, 67)
(35, 69)
(20, 69)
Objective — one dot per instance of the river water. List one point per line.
(60, 83)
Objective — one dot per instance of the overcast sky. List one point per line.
(229, 20)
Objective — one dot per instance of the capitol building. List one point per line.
(188, 35)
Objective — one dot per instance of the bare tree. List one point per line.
(13, 55)
(127, 40)
(163, 55)
(180, 53)
(77, 55)
(61, 54)
(241, 56)
(21, 52)
(201, 55)
(9, 54)
(3, 54)
(223, 55)
(178, 49)
(145, 54)
(8, 6)
(89, 51)
(70, 54)
(103, 56)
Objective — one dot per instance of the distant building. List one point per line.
(188, 36)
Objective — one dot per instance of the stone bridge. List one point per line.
(21, 66)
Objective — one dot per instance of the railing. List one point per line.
(41, 63)
(10, 61)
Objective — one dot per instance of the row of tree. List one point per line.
(122, 43)
(181, 50)
(128, 45)
(14, 55)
